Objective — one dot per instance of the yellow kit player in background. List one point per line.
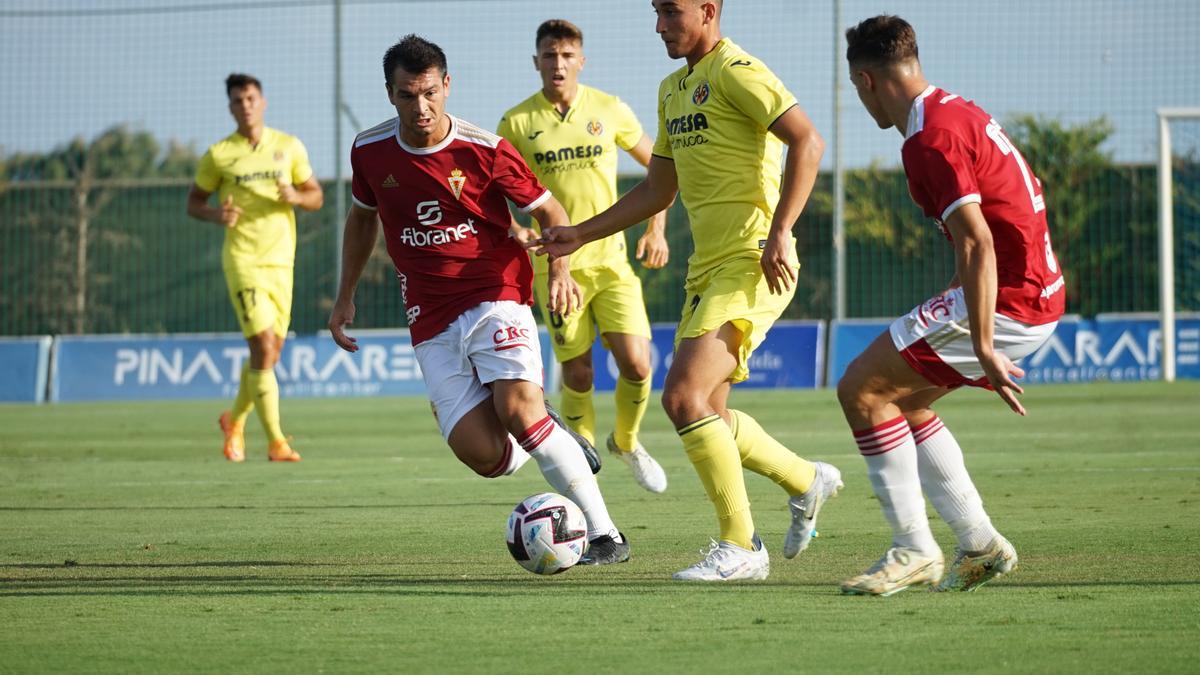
(259, 174)
(723, 121)
(569, 133)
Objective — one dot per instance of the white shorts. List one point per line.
(491, 341)
(935, 339)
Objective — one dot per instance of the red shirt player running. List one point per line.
(441, 188)
(1004, 302)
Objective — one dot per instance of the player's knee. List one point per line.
(681, 405)
(578, 374)
(634, 368)
(851, 389)
(518, 407)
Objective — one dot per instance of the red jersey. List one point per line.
(446, 220)
(954, 154)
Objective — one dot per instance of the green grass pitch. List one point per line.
(127, 544)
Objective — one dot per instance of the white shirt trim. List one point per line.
(535, 203)
(972, 198)
(379, 132)
(916, 114)
(361, 205)
(432, 149)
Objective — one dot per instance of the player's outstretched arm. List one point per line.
(652, 247)
(805, 147)
(565, 296)
(653, 194)
(975, 266)
(358, 240)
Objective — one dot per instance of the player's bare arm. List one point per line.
(565, 296)
(652, 247)
(307, 195)
(358, 240)
(653, 194)
(226, 214)
(525, 236)
(805, 147)
(975, 264)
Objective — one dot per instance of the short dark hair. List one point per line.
(881, 40)
(239, 80)
(558, 29)
(415, 55)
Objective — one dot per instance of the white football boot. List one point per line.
(897, 570)
(972, 570)
(726, 562)
(805, 508)
(646, 470)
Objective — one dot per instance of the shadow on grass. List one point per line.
(427, 585)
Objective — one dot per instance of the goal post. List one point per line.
(1166, 235)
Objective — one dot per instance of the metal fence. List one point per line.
(107, 105)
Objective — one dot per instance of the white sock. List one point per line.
(565, 469)
(945, 479)
(892, 467)
(514, 458)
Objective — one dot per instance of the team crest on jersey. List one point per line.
(701, 94)
(278, 155)
(457, 180)
(595, 128)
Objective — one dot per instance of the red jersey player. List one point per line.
(1003, 303)
(440, 187)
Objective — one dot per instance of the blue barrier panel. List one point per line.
(1111, 347)
(24, 364)
(1114, 347)
(848, 339)
(792, 356)
(132, 367)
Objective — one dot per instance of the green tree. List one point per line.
(92, 173)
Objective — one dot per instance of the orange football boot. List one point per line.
(235, 444)
(280, 451)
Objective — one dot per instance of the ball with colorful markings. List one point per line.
(547, 533)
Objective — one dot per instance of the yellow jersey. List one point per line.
(265, 233)
(712, 122)
(575, 157)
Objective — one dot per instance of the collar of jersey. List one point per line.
(433, 148)
(916, 114)
(554, 109)
(267, 131)
(720, 46)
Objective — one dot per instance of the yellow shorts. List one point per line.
(612, 303)
(733, 292)
(261, 297)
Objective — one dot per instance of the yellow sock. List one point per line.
(767, 457)
(579, 413)
(266, 400)
(632, 399)
(710, 447)
(244, 403)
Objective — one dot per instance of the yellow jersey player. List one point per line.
(569, 133)
(723, 121)
(258, 174)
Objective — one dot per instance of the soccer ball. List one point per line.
(547, 533)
